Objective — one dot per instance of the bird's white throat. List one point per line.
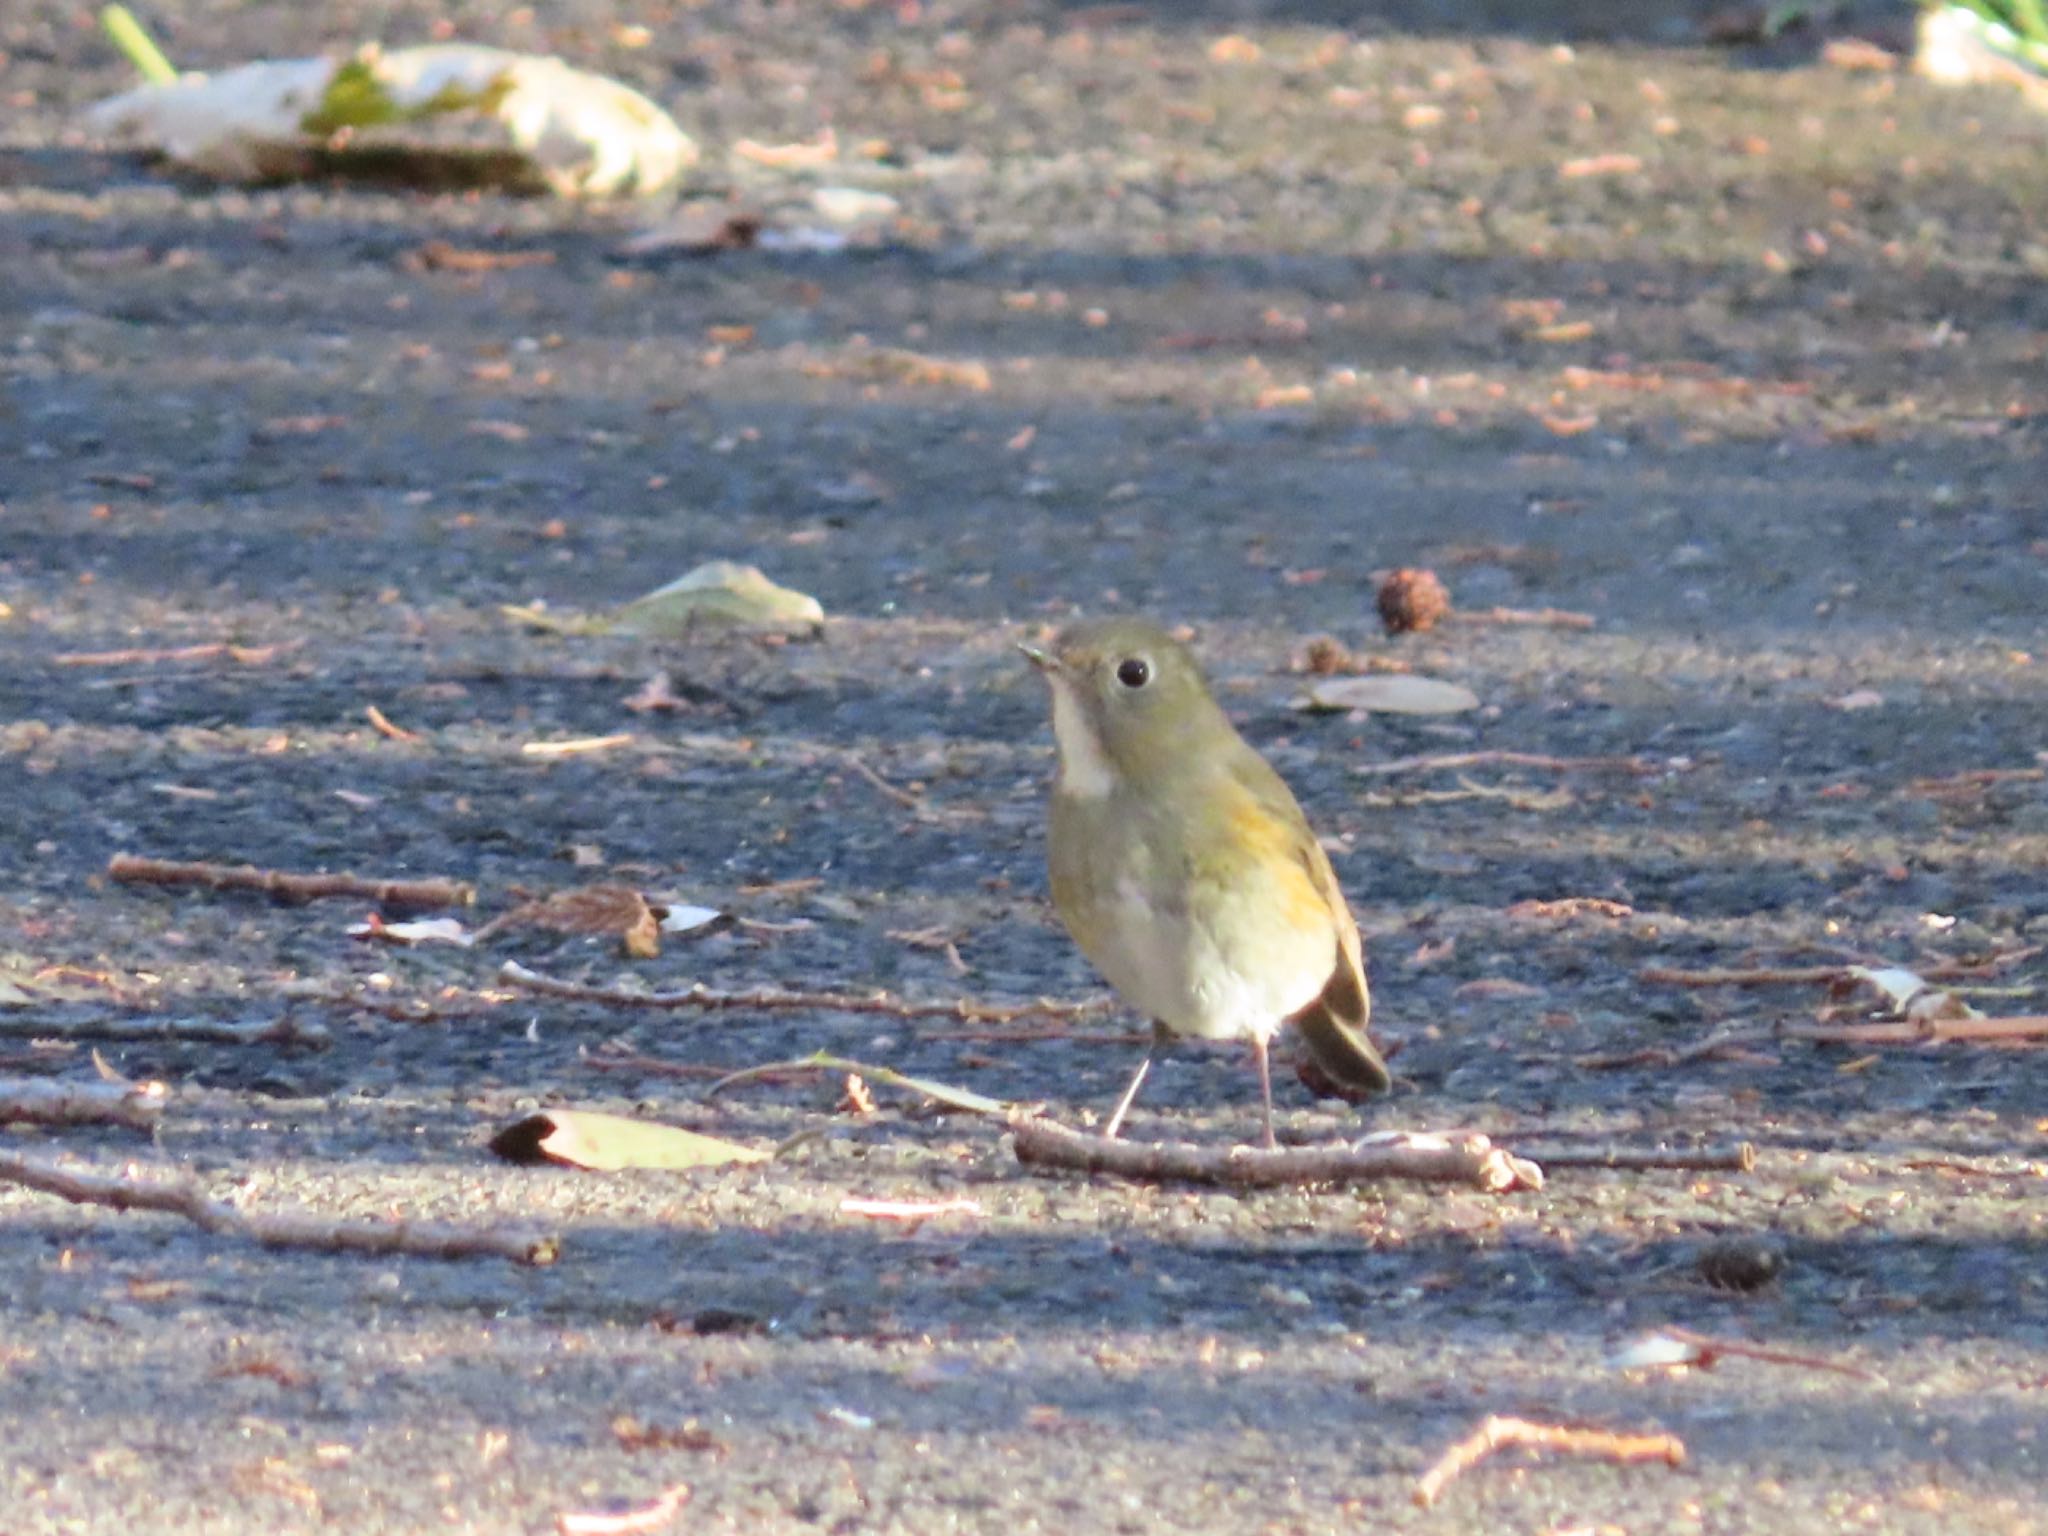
(1085, 770)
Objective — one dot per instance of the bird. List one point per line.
(1184, 869)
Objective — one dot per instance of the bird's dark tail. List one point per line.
(1333, 1026)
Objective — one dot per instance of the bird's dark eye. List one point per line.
(1134, 671)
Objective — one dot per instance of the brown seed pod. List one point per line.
(1412, 599)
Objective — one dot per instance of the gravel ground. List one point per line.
(1739, 355)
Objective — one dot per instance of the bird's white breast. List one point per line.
(1085, 769)
(1171, 967)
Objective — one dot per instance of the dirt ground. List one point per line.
(1738, 354)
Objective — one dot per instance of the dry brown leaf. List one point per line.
(615, 909)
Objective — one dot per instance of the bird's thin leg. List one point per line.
(1123, 1105)
(1265, 1086)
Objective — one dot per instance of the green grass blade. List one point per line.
(138, 45)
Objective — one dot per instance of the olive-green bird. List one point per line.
(1184, 869)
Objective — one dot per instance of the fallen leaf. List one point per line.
(522, 119)
(721, 592)
(908, 1210)
(680, 918)
(625, 1519)
(854, 205)
(1387, 694)
(432, 930)
(657, 693)
(1654, 1351)
(1909, 995)
(618, 909)
(601, 1143)
(699, 227)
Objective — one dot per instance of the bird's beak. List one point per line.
(1045, 661)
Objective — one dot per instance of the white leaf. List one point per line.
(1652, 1351)
(432, 930)
(1391, 693)
(722, 592)
(580, 134)
(682, 919)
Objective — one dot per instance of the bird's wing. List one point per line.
(1334, 1022)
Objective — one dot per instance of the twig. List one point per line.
(280, 1031)
(247, 655)
(1550, 618)
(1497, 1432)
(1736, 1156)
(282, 885)
(1711, 1348)
(1471, 1159)
(1002, 1034)
(1827, 975)
(2016, 1028)
(45, 1101)
(966, 1010)
(1517, 799)
(1789, 976)
(1438, 761)
(655, 1066)
(901, 796)
(280, 1229)
(824, 1061)
(576, 746)
(381, 723)
(1571, 906)
(910, 800)
(1976, 778)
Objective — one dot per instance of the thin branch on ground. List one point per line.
(281, 1031)
(49, 1101)
(1547, 618)
(577, 746)
(1497, 1433)
(1444, 761)
(655, 1066)
(2014, 1030)
(1005, 1035)
(280, 1229)
(1468, 1159)
(965, 1010)
(1515, 799)
(1732, 1156)
(909, 799)
(1780, 976)
(283, 885)
(246, 655)
(943, 1093)
(1954, 784)
(1712, 1348)
(383, 725)
(1828, 975)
